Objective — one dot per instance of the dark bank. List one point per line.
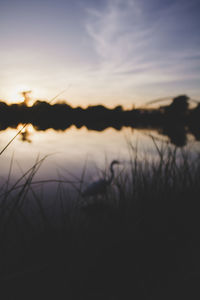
(174, 120)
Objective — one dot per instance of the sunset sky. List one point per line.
(110, 52)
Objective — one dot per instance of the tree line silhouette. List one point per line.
(174, 120)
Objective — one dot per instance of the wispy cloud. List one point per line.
(117, 34)
(141, 46)
(108, 51)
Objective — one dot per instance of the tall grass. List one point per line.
(142, 243)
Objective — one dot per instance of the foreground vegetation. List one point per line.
(141, 243)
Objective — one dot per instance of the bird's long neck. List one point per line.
(112, 174)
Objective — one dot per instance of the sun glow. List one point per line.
(16, 94)
(23, 93)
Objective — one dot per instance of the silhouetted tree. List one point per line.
(179, 105)
(26, 97)
(118, 108)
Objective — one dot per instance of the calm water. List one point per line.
(69, 150)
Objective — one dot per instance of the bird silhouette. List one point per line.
(100, 187)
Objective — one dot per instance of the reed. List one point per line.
(143, 243)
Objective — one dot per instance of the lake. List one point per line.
(70, 150)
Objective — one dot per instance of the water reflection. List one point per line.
(25, 132)
(70, 148)
(177, 134)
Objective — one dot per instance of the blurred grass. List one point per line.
(141, 243)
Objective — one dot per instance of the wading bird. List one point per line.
(99, 187)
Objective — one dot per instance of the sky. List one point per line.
(110, 52)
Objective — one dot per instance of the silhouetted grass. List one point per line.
(141, 243)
